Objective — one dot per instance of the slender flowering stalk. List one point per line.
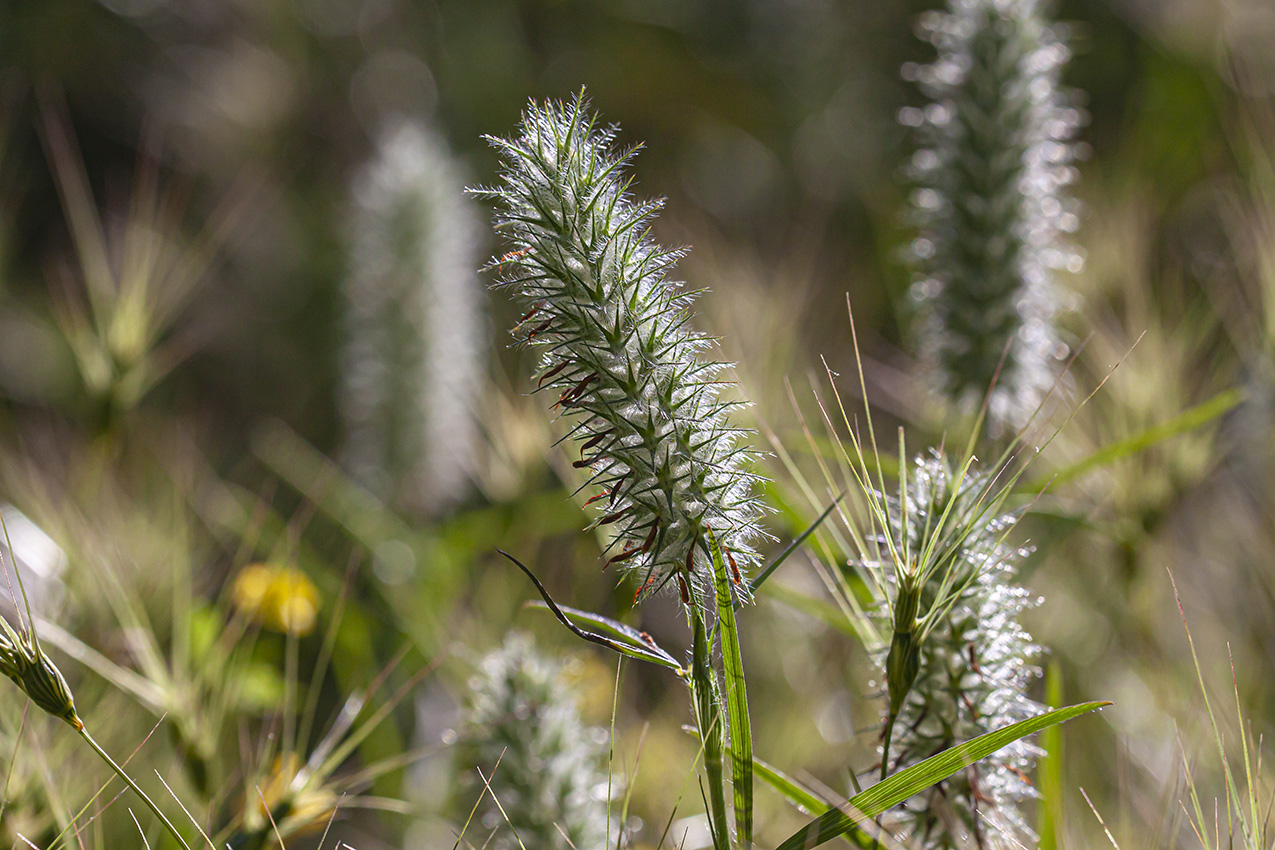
(23, 661)
(993, 161)
(971, 668)
(617, 351)
(414, 335)
(546, 768)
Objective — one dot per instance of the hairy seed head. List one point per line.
(618, 355)
(414, 335)
(989, 202)
(547, 769)
(972, 671)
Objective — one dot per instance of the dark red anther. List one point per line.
(615, 491)
(534, 310)
(538, 328)
(650, 537)
(581, 464)
(1019, 773)
(686, 593)
(601, 495)
(610, 518)
(575, 392)
(623, 556)
(594, 440)
(515, 255)
(690, 560)
(547, 375)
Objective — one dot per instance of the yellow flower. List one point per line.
(278, 596)
(296, 806)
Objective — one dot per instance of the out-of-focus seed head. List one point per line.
(546, 768)
(414, 332)
(989, 202)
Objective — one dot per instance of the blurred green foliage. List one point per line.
(770, 126)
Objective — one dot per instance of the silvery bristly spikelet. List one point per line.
(617, 352)
(547, 769)
(975, 666)
(994, 160)
(412, 357)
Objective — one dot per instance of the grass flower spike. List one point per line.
(970, 671)
(547, 770)
(617, 351)
(24, 662)
(994, 159)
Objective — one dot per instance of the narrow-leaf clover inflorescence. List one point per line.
(545, 769)
(616, 348)
(993, 162)
(411, 357)
(971, 666)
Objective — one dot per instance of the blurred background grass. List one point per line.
(770, 127)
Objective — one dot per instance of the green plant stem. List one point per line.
(128, 780)
(708, 718)
(885, 744)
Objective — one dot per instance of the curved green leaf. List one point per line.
(908, 783)
(615, 628)
(643, 651)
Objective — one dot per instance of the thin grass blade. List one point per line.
(1187, 420)
(1050, 768)
(802, 797)
(708, 721)
(770, 568)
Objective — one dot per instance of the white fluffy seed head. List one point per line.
(994, 161)
(975, 668)
(414, 330)
(547, 769)
(618, 355)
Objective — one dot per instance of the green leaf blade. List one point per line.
(908, 783)
(741, 735)
(1187, 420)
(645, 651)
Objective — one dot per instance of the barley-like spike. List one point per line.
(412, 352)
(550, 775)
